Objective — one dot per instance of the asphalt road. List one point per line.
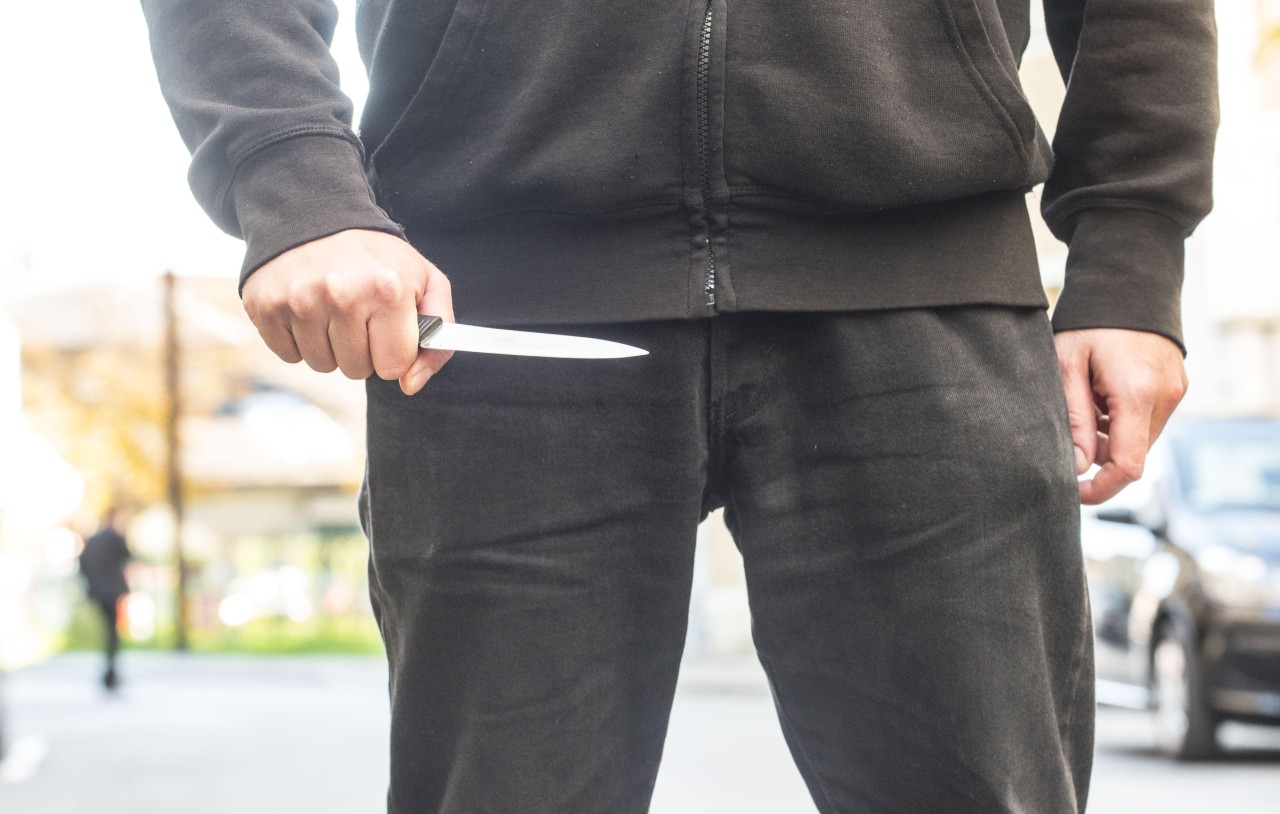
(232, 735)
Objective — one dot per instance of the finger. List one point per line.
(393, 341)
(1099, 404)
(1080, 409)
(1104, 448)
(426, 365)
(312, 337)
(273, 326)
(349, 338)
(1127, 446)
(279, 339)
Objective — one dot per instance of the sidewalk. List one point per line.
(199, 735)
(259, 735)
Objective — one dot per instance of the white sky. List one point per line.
(93, 172)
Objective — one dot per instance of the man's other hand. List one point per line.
(1121, 388)
(351, 301)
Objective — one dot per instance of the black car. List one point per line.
(1184, 578)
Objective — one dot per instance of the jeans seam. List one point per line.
(1077, 667)
(716, 389)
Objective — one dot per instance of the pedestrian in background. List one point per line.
(102, 564)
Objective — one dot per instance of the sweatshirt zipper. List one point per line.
(704, 148)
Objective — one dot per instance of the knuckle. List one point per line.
(301, 302)
(340, 293)
(273, 310)
(264, 306)
(386, 287)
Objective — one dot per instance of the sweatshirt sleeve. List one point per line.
(254, 91)
(1134, 146)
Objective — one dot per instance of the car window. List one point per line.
(1229, 472)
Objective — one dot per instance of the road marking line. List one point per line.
(22, 760)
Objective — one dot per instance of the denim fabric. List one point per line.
(900, 484)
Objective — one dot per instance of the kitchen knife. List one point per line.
(434, 332)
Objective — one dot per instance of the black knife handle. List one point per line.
(427, 325)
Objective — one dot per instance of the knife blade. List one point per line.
(434, 332)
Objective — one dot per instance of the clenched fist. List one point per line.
(351, 301)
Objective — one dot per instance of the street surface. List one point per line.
(244, 735)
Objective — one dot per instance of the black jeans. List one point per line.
(900, 484)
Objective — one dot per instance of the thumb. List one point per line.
(437, 300)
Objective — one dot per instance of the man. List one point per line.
(813, 216)
(102, 565)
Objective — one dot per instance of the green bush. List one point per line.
(353, 634)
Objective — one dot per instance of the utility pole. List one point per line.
(172, 357)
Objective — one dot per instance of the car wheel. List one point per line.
(1186, 728)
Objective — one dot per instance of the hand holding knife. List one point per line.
(350, 301)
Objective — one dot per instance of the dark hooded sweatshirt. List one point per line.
(595, 160)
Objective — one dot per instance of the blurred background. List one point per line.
(252, 678)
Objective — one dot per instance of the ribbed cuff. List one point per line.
(299, 190)
(1124, 270)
